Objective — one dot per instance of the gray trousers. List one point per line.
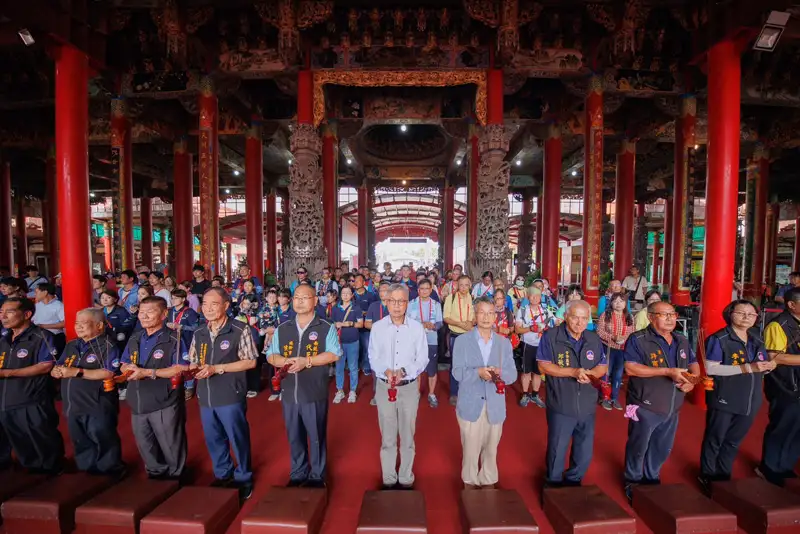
(397, 418)
(161, 440)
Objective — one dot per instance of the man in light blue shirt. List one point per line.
(428, 312)
(129, 292)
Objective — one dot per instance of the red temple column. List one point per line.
(592, 192)
(209, 178)
(624, 209)
(146, 221)
(305, 96)
(363, 224)
(162, 245)
(50, 214)
(680, 272)
(229, 262)
(796, 257)
(494, 94)
(756, 190)
(72, 151)
(182, 210)
(254, 199)
(108, 254)
(121, 151)
(330, 194)
(272, 231)
(472, 193)
(6, 239)
(448, 220)
(22, 234)
(722, 189)
(771, 245)
(666, 269)
(549, 209)
(656, 255)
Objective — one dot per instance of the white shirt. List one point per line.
(164, 294)
(630, 283)
(50, 313)
(396, 347)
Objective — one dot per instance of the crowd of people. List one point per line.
(397, 336)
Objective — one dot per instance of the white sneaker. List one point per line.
(351, 398)
(338, 397)
(273, 397)
(252, 394)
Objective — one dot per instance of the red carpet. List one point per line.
(354, 441)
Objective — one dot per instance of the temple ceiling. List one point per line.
(155, 51)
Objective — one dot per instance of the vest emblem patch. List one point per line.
(115, 363)
(158, 354)
(313, 336)
(22, 353)
(91, 358)
(225, 345)
(185, 356)
(590, 355)
(760, 356)
(683, 354)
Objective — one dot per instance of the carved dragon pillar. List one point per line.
(306, 229)
(491, 251)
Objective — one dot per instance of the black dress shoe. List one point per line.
(405, 487)
(245, 491)
(389, 487)
(315, 483)
(296, 483)
(222, 482)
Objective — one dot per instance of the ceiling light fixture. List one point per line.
(227, 191)
(519, 162)
(404, 182)
(290, 162)
(574, 173)
(26, 37)
(235, 172)
(771, 31)
(91, 195)
(349, 161)
(403, 127)
(458, 162)
(696, 147)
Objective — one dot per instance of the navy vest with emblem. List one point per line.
(227, 388)
(784, 381)
(658, 393)
(150, 395)
(119, 325)
(81, 396)
(309, 385)
(20, 353)
(739, 394)
(566, 395)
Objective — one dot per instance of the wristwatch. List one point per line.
(79, 374)
(309, 363)
(403, 370)
(220, 371)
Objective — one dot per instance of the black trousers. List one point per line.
(306, 429)
(161, 440)
(781, 445)
(32, 432)
(721, 439)
(561, 430)
(649, 443)
(254, 375)
(96, 441)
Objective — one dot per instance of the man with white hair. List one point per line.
(398, 354)
(91, 411)
(571, 357)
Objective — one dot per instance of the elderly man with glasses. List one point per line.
(659, 362)
(398, 353)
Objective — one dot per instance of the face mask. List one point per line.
(519, 283)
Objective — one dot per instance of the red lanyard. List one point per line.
(461, 317)
(430, 311)
(381, 310)
(178, 317)
(125, 298)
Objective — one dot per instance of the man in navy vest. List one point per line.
(781, 447)
(28, 417)
(570, 355)
(656, 360)
(223, 350)
(307, 345)
(91, 411)
(158, 416)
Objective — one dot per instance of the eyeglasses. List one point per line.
(300, 272)
(392, 302)
(666, 315)
(746, 315)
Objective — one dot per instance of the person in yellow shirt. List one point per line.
(781, 446)
(459, 316)
(641, 320)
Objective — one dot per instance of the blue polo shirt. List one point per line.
(363, 301)
(146, 345)
(376, 312)
(341, 314)
(285, 315)
(634, 354)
